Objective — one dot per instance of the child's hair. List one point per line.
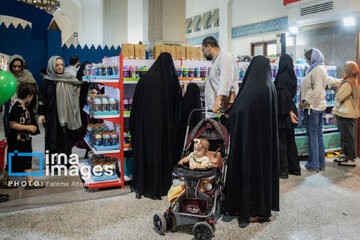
(25, 89)
(203, 142)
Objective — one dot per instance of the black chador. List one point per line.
(286, 86)
(154, 126)
(252, 184)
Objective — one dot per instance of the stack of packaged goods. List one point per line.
(134, 72)
(189, 72)
(101, 137)
(106, 166)
(101, 71)
(102, 105)
(330, 96)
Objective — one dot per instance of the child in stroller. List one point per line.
(202, 194)
(198, 159)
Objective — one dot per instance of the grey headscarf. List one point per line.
(67, 95)
(23, 76)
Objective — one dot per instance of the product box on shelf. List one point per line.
(158, 49)
(140, 51)
(128, 50)
(198, 53)
(190, 53)
(172, 51)
(180, 52)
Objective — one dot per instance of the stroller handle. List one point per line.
(200, 110)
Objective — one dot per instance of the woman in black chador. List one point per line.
(252, 184)
(154, 127)
(286, 86)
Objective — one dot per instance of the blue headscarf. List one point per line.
(317, 59)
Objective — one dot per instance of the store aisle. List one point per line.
(319, 206)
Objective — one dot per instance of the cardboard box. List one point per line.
(198, 53)
(180, 52)
(140, 51)
(158, 49)
(172, 51)
(190, 54)
(128, 50)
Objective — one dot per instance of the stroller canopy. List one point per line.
(210, 129)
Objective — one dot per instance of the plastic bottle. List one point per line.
(131, 72)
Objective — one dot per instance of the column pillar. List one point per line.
(164, 22)
(225, 24)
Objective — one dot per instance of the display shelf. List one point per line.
(108, 82)
(91, 184)
(330, 104)
(326, 151)
(127, 149)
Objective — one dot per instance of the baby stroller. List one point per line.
(193, 203)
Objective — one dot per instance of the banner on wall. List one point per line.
(286, 2)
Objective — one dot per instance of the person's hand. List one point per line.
(301, 104)
(181, 162)
(93, 91)
(294, 118)
(32, 128)
(217, 105)
(42, 119)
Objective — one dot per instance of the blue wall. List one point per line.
(93, 55)
(20, 41)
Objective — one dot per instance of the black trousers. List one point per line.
(346, 128)
(289, 161)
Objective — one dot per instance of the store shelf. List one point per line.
(91, 184)
(326, 128)
(116, 151)
(326, 151)
(330, 128)
(108, 82)
(86, 110)
(330, 104)
(127, 149)
(131, 80)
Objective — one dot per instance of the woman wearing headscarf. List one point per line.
(252, 184)
(16, 67)
(154, 127)
(286, 86)
(59, 107)
(313, 103)
(346, 111)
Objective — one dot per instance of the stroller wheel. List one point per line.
(203, 231)
(170, 221)
(159, 224)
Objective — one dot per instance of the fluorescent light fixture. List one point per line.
(349, 21)
(294, 29)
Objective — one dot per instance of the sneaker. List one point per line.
(347, 163)
(32, 185)
(322, 169)
(5, 184)
(340, 159)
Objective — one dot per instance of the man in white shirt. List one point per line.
(74, 66)
(223, 76)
